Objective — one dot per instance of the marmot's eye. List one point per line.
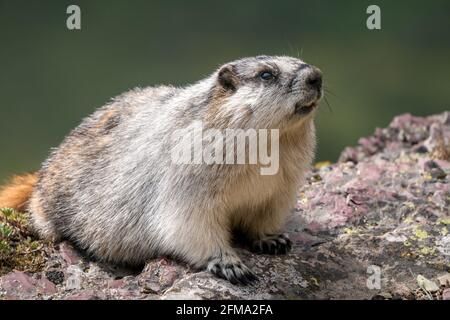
(267, 75)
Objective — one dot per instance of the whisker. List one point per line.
(291, 47)
(329, 91)
(328, 104)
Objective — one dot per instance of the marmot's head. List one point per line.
(265, 92)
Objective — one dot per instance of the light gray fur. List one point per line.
(112, 189)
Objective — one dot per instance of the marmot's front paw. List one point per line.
(232, 269)
(272, 244)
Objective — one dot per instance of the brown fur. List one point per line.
(17, 192)
(109, 120)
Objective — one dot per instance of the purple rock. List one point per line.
(84, 295)
(446, 294)
(434, 170)
(19, 284)
(69, 253)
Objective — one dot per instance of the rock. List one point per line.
(420, 149)
(446, 294)
(74, 278)
(426, 284)
(69, 253)
(401, 292)
(384, 203)
(444, 281)
(434, 170)
(350, 154)
(159, 275)
(55, 276)
(45, 287)
(116, 284)
(382, 296)
(19, 285)
(84, 295)
(443, 245)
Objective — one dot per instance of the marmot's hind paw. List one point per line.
(272, 244)
(234, 271)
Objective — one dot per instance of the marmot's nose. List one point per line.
(314, 79)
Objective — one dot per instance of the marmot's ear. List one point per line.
(227, 78)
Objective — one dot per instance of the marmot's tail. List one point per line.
(17, 192)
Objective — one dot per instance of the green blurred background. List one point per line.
(50, 77)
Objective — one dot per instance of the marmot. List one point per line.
(112, 190)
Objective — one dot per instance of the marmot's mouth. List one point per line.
(305, 109)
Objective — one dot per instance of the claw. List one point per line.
(235, 272)
(272, 244)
